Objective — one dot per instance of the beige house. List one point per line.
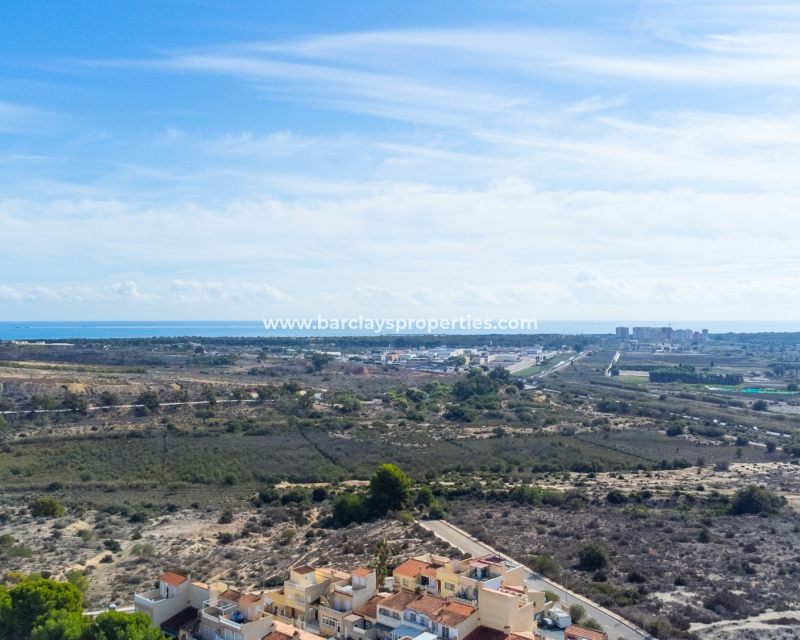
(319, 599)
(459, 579)
(506, 610)
(342, 600)
(233, 616)
(361, 624)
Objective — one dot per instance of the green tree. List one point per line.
(389, 489)
(384, 550)
(593, 556)
(62, 625)
(109, 399)
(591, 623)
(79, 580)
(760, 405)
(47, 508)
(45, 402)
(149, 399)
(546, 565)
(424, 496)
(32, 599)
(75, 402)
(114, 625)
(576, 613)
(754, 499)
(436, 511)
(349, 507)
(319, 360)
(209, 395)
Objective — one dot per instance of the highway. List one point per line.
(615, 626)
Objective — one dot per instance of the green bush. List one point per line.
(112, 545)
(47, 508)
(546, 565)
(436, 511)
(754, 500)
(592, 556)
(591, 623)
(77, 579)
(348, 508)
(424, 496)
(576, 613)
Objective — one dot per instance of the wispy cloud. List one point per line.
(195, 292)
(126, 292)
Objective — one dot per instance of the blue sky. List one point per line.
(561, 160)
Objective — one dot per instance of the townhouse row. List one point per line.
(426, 598)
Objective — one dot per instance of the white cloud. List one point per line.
(194, 292)
(126, 291)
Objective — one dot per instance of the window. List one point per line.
(330, 622)
(299, 599)
(405, 582)
(384, 612)
(434, 627)
(445, 632)
(411, 616)
(449, 586)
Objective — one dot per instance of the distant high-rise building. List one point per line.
(696, 335)
(665, 333)
(640, 333)
(622, 333)
(705, 335)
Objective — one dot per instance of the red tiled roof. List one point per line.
(575, 631)
(429, 572)
(399, 601)
(277, 635)
(370, 608)
(303, 569)
(250, 598)
(485, 633)
(429, 605)
(361, 572)
(411, 568)
(231, 595)
(453, 614)
(173, 578)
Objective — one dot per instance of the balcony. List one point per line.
(147, 598)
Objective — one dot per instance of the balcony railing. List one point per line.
(148, 597)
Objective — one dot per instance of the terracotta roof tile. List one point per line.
(370, 608)
(575, 631)
(453, 614)
(411, 568)
(485, 633)
(429, 605)
(361, 572)
(173, 578)
(399, 601)
(277, 635)
(250, 598)
(231, 595)
(429, 572)
(303, 569)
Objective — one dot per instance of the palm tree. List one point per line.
(380, 562)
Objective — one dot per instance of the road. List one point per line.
(608, 370)
(560, 365)
(615, 626)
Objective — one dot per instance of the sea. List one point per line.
(101, 330)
